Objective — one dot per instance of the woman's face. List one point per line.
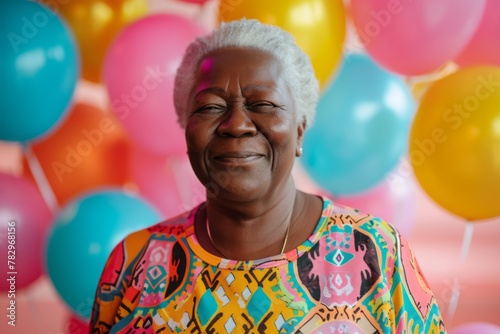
(242, 134)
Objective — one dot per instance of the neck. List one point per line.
(251, 230)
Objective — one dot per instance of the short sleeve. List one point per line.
(115, 280)
(414, 304)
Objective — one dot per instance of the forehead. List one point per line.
(246, 62)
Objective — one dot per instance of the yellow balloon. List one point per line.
(455, 142)
(95, 24)
(317, 25)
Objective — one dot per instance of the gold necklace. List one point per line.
(227, 257)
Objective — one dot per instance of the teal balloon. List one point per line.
(361, 128)
(39, 68)
(82, 237)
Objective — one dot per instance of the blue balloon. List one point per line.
(39, 68)
(80, 241)
(361, 128)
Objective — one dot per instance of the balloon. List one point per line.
(361, 128)
(199, 2)
(455, 140)
(88, 151)
(84, 233)
(413, 37)
(96, 23)
(24, 221)
(418, 84)
(392, 201)
(317, 25)
(484, 47)
(476, 328)
(77, 325)
(168, 183)
(142, 95)
(38, 70)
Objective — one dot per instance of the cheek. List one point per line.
(283, 138)
(195, 152)
(196, 145)
(281, 126)
(196, 136)
(277, 128)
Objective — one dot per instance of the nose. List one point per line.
(237, 123)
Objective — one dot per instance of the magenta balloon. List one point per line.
(477, 328)
(415, 37)
(168, 183)
(484, 47)
(139, 71)
(392, 201)
(24, 221)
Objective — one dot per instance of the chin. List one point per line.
(236, 193)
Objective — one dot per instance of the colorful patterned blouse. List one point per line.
(355, 274)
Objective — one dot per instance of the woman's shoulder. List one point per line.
(344, 218)
(177, 227)
(174, 226)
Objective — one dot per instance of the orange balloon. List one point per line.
(89, 150)
(317, 25)
(455, 142)
(95, 24)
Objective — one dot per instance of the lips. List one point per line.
(238, 157)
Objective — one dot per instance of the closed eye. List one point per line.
(262, 106)
(211, 109)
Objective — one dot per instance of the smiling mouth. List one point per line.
(238, 157)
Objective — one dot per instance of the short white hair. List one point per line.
(296, 65)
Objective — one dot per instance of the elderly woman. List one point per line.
(259, 256)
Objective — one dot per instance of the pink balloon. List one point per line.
(24, 222)
(76, 325)
(167, 183)
(484, 47)
(139, 71)
(392, 201)
(415, 37)
(477, 328)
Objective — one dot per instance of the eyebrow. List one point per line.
(216, 90)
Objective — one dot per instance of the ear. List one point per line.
(301, 128)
